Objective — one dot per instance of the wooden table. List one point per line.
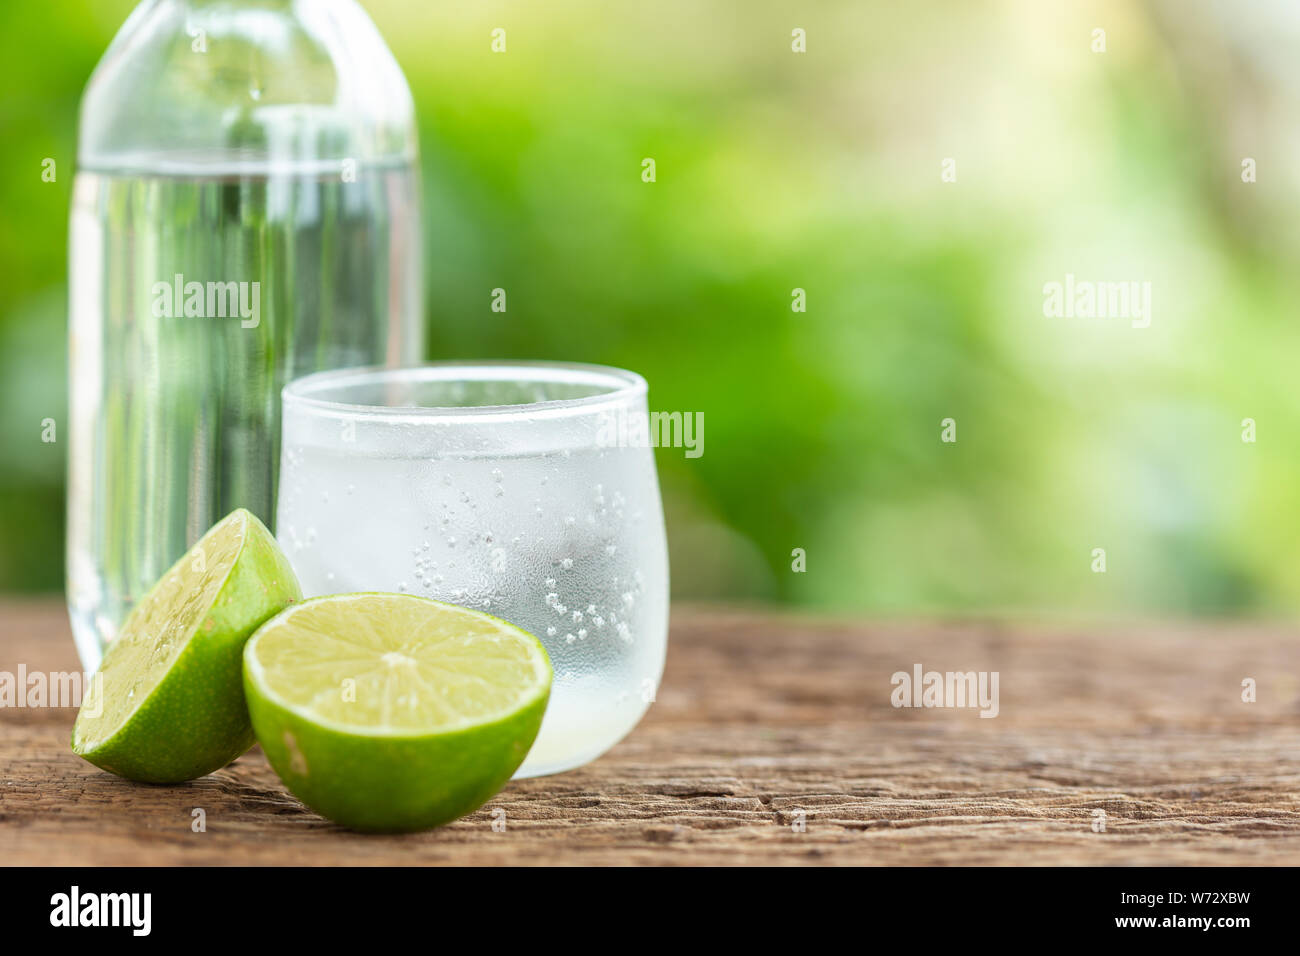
(774, 741)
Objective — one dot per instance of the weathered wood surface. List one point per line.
(762, 718)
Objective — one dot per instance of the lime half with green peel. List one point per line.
(167, 703)
(392, 712)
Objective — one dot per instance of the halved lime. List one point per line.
(168, 701)
(394, 712)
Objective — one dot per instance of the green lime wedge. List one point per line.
(392, 712)
(168, 701)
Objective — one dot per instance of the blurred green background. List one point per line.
(822, 171)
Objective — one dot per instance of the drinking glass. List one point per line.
(525, 490)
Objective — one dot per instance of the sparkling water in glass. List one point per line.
(527, 491)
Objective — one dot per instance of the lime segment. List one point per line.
(167, 703)
(393, 712)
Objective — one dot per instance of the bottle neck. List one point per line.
(240, 4)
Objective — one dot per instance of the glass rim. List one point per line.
(623, 386)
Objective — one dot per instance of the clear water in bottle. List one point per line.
(245, 211)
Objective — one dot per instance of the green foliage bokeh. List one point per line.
(822, 171)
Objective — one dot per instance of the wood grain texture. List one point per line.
(763, 718)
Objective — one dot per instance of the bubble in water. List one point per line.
(567, 564)
(551, 631)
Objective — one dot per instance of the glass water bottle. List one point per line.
(245, 211)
